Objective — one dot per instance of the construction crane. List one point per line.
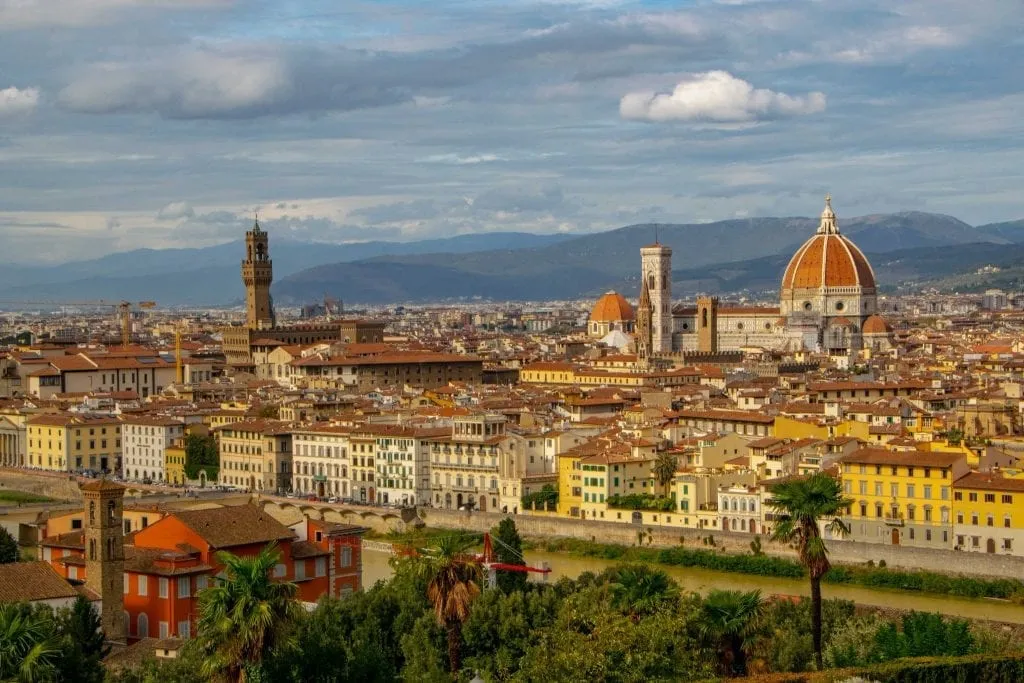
(488, 560)
(122, 308)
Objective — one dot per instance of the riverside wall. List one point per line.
(841, 552)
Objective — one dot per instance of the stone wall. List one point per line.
(841, 552)
(52, 485)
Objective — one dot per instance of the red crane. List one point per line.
(486, 559)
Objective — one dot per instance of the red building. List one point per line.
(169, 562)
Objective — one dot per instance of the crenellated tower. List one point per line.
(257, 274)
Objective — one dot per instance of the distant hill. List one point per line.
(210, 275)
(724, 256)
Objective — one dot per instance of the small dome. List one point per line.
(828, 259)
(611, 307)
(875, 324)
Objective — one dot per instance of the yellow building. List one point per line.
(988, 514)
(62, 442)
(174, 463)
(255, 455)
(901, 498)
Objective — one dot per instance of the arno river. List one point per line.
(376, 568)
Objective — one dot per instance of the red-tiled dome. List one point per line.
(611, 307)
(828, 259)
(875, 324)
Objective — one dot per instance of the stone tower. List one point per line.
(103, 533)
(707, 324)
(642, 335)
(257, 274)
(656, 268)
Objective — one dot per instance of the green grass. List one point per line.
(9, 497)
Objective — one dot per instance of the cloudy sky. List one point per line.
(156, 123)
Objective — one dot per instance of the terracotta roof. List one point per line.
(304, 549)
(29, 581)
(881, 456)
(612, 307)
(103, 484)
(828, 260)
(875, 324)
(989, 482)
(234, 525)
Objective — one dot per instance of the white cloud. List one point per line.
(20, 14)
(200, 83)
(175, 211)
(717, 96)
(14, 101)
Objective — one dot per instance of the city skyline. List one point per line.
(124, 126)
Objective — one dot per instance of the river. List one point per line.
(376, 568)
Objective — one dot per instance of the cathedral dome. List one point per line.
(828, 260)
(875, 324)
(611, 307)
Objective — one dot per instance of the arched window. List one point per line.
(143, 630)
(92, 512)
(92, 548)
(704, 318)
(110, 511)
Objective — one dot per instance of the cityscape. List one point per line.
(425, 386)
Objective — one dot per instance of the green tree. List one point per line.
(508, 549)
(453, 583)
(545, 498)
(201, 454)
(664, 469)
(82, 643)
(727, 620)
(244, 616)
(639, 590)
(270, 412)
(29, 646)
(802, 504)
(8, 547)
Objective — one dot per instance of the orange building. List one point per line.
(170, 561)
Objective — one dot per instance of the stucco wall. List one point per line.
(842, 552)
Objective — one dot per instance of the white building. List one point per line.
(402, 463)
(321, 463)
(144, 441)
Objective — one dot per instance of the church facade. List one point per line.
(828, 302)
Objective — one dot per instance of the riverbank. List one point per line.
(716, 560)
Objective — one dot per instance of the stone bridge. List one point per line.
(380, 519)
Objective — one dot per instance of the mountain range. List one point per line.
(906, 249)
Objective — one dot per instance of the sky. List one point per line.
(168, 123)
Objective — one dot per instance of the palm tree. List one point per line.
(803, 504)
(243, 616)
(639, 590)
(664, 469)
(29, 647)
(454, 578)
(728, 618)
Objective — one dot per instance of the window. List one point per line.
(910, 490)
(164, 629)
(127, 579)
(1007, 500)
(300, 570)
(279, 571)
(973, 497)
(321, 566)
(143, 630)
(928, 492)
(184, 587)
(990, 497)
(184, 630)
(143, 584)
(863, 488)
(346, 557)
(163, 587)
(202, 581)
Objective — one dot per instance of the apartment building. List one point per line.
(988, 514)
(63, 442)
(402, 462)
(321, 461)
(901, 498)
(145, 441)
(256, 455)
(465, 465)
(145, 374)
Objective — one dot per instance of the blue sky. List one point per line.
(156, 123)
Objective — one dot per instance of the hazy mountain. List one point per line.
(723, 256)
(210, 275)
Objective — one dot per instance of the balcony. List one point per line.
(894, 520)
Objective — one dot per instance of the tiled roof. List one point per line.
(29, 581)
(231, 526)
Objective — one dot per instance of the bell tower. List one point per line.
(707, 324)
(656, 269)
(103, 533)
(257, 274)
